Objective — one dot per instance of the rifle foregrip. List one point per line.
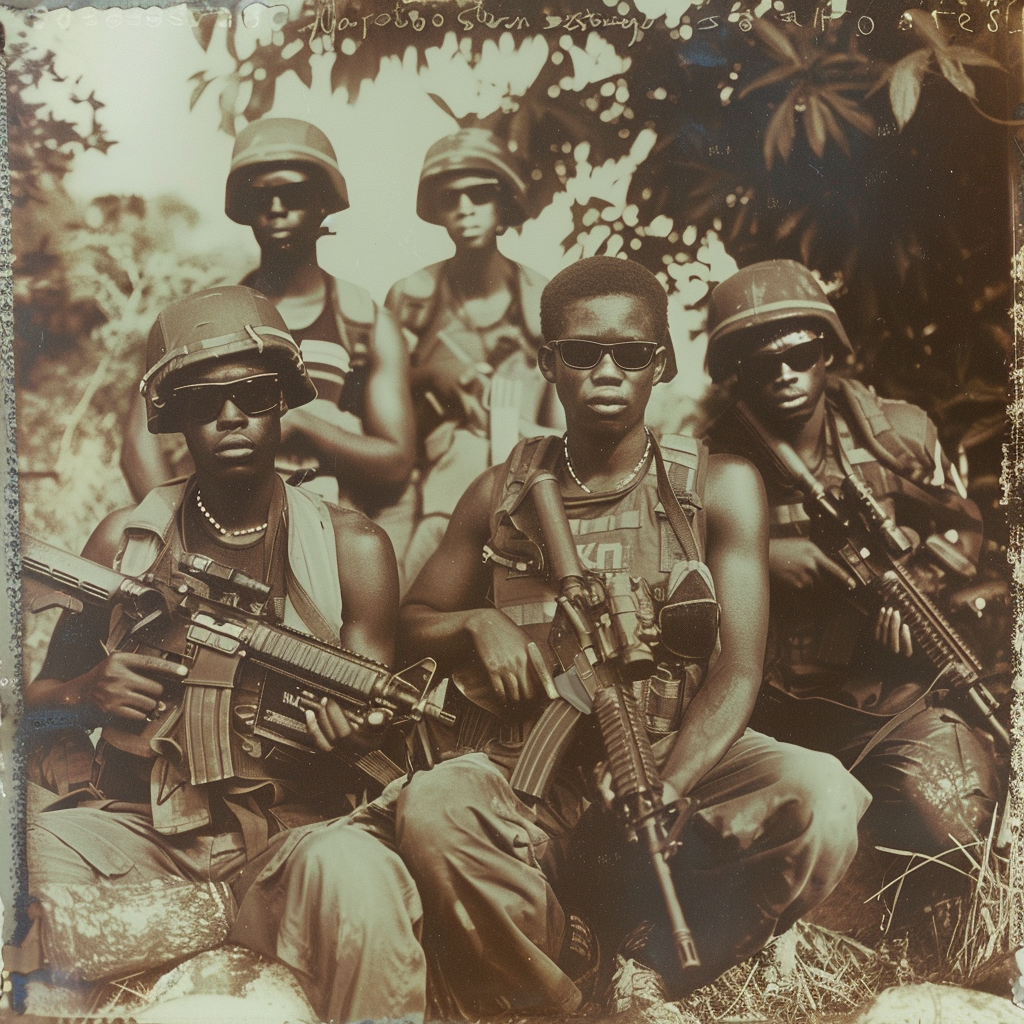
(630, 758)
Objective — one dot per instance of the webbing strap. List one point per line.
(674, 511)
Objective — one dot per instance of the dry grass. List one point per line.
(811, 974)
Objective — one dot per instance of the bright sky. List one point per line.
(138, 63)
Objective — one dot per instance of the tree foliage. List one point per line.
(792, 138)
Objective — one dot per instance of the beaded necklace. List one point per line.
(628, 479)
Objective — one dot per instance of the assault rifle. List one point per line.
(212, 621)
(856, 532)
(602, 635)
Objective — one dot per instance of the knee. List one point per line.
(440, 809)
(349, 869)
(831, 801)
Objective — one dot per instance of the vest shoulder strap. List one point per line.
(871, 421)
(523, 463)
(146, 530)
(356, 316)
(687, 459)
(412, 299)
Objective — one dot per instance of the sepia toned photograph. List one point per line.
(517, 512)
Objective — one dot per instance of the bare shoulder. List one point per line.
(475, 505)
(728, 472)
(734, 492)
(104, 542)
(358, 537)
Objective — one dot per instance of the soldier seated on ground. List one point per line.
(932, 777)
(773, 826)
(188, 810)
(357, 437)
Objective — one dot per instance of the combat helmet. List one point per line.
(211, 325)
(277, 140)
(761, 294)
(471, 149)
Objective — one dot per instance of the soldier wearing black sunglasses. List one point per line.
(773, 330)
(473, 326)
(508, 882)
(356, 441)
(216, 850)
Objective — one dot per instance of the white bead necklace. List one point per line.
(628, 479)
(222, 530)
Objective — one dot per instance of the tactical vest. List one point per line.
(202, 738)
(895, 462)
(626, 532)
(415, 302)
(343, 374)
(894, 449)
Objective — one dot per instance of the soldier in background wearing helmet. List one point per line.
(358, 436)
(473, 324)
(772, 329)
(192, 815)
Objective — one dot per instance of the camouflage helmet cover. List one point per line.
(765, 294)
(277, 140)
(471, 149)
(212, 325)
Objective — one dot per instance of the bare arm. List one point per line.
(382, 456)
(738, 559)
(447, 615)
(369, 586)
(369, 599)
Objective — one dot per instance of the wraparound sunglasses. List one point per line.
(764, 367)
(202, 403)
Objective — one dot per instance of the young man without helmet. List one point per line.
(932, 777)
(358, 436)
(473, 326)
(190, 814)
(773, 826)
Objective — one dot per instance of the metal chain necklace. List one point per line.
(627, 479)
(222, 530)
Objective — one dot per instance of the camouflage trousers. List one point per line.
(114, 896)
(774, 831)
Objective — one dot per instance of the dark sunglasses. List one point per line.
(585, 355)
(294, 195)
(765, 367)
(202, 403)
(478, 195)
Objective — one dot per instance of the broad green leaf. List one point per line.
(781, 130)
(850, 111)
(905, 85)
(953, 72)
(776, 40)
(832, 126)
(443, 105)
(924, 25)
(199, 89)
(970, 56)
(783, 71)
(204, 29)
(814, 125)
